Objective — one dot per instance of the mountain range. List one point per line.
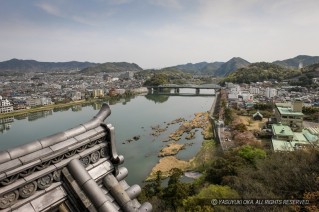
(218, 69)
(215, 68)
(16, 65)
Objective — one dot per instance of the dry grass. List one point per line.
(166, 164)
(250, 123)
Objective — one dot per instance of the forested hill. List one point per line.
(231, 65)
(257, 72)
(305, 60)
(16, 65)
(112, 67)
(202, 68)
(213, 69)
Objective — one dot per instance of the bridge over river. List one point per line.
(177, 88)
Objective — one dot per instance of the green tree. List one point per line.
(202, 200)
(251, 154)
(176, 191)
(157, 79)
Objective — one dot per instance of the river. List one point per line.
(130, 117)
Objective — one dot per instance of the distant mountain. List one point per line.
(16, 65)
(112, 67)
(305, 60)
(258, 72)
(231, 65)
(312, 68)
(217, 69)
(202, 68)
(211, 68)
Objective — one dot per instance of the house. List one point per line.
(258, 116)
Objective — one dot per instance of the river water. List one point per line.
(130, 117)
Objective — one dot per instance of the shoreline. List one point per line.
(168, 159)
(54, 106)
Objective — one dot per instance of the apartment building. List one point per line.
(5, 105)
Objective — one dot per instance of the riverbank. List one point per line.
(60, 105)
(169, 161)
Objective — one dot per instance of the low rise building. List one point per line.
(290, 114)
(98, 93)
(270, 92)
(5, 105)
(284, 139)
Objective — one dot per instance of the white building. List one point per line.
(45, 101)
(246, 96)
(32, 102)
(270, 92)
(5, 106)
(234, 92)
(254, 90)
(75, 95)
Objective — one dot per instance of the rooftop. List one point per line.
(77, 169)
(288, 111)
(282, 130)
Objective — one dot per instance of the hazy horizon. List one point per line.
(158, 33)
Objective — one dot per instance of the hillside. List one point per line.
(16, 65)
(257, 72)
(112, 67)
(312, 68)
(231, 65)
(217, 69)
(202, 68)
(294, 62)
(164, 76)
(211, 68)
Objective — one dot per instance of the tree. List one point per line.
(157, 79)
(176, 191)
(202, 200)
(251, 154)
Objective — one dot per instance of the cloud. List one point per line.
(93, 16)
(50, 9)
(175, 4)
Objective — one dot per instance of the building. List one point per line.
(127, 75)
(75, 95)
(5, 106)
(76, 170)
(32, 102)
(270, 92)
(290, 114)
(45, 101)
(284, 139)
(98, 93)
(254, 90)
(258, 116)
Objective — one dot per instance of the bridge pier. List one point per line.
(197, 91)
(176, 90)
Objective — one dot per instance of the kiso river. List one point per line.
(130, 117)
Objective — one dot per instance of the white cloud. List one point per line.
(175, 4)
(50, 9)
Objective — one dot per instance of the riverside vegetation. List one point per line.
(247, 171)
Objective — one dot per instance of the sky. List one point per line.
(158, 33)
